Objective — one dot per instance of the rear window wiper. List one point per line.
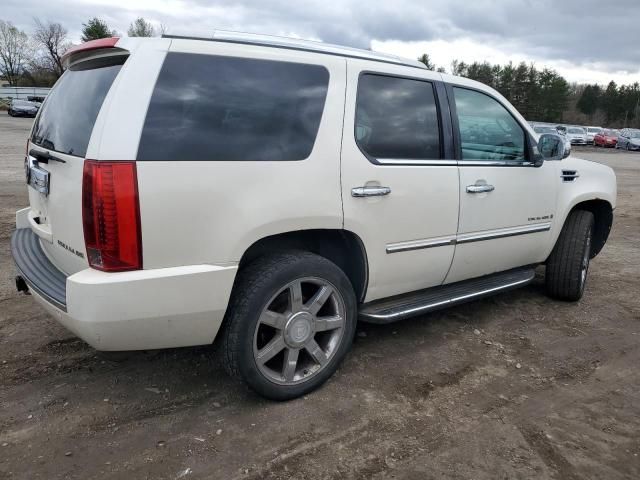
(44, 157)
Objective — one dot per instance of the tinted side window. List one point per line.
(66, 119)
(397, 118)
(207, 107)
(487, 130)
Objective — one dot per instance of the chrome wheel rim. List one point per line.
(299, 331)
(584, 266)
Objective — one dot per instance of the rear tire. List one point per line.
(568, 264)
(290, 322)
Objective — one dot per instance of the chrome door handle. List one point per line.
(370, 191)
(480, 188)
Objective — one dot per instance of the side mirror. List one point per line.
(551, 147)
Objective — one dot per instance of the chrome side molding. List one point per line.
(467, 238)
(420, 244)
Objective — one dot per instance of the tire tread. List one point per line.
(563, 270)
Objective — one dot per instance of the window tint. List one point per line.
(397, 118)
(207, 107)
(487, 130)
(69, 112)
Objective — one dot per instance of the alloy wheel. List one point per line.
(299, 330)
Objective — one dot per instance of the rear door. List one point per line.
(56, 152)
(399, 178)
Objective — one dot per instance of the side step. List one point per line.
(396, 308)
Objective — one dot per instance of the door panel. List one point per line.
(506, 204)
(408, 233)
(507, 227)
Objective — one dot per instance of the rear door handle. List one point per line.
(480, 188)
(370, 191)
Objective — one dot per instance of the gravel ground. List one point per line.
(516, 386)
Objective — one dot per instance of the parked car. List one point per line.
(629, 139)
(273, 192)
(540, 129)
(577, 135)
(592, 132)
(606, 138)
(22, 108)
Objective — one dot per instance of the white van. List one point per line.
(274, 191)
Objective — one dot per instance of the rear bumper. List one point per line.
(138, 310)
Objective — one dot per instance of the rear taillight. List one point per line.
(111, 216)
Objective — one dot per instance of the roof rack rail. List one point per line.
(301, 45)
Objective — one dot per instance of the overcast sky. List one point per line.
(584, 40)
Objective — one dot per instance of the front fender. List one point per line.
(595, 184)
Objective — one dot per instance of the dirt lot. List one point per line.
(517, 386)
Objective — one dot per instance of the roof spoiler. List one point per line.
(91, 45)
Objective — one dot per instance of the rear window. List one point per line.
(209, 107)
(69, 112)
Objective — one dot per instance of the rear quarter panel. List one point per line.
(195, 212)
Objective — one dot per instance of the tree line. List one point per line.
(35, 59)
(539, 94)
(544, 95)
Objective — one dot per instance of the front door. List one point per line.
(506, 204)
(400, 193)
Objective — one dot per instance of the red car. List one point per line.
(606, 138)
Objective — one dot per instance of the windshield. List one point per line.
(544, 130)
(66, 119)
(576, 130)
(594, 130)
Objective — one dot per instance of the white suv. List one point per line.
(272, 192)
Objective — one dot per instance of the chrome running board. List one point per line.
(396, 308)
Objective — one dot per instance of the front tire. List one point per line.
(290, 322)
(568, 264)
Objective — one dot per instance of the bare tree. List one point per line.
(14, 52)
(51, 37)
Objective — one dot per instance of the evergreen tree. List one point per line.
(141, 28)
(96, 28)
(589, 100)
(426, 59)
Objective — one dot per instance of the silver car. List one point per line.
(577, 135)
(629, 139)
(22, 108)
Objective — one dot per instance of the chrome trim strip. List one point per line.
(420, 244)
(429, 306)
(401, 161)
(502, 233)
(473, 163)
(466, 238)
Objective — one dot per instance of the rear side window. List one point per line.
(397, 118)
(208, 107)
(67, 116)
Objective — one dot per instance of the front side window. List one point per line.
(397, 118)
(488, 132)
(218, 108)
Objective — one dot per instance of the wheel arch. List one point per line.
(602, 212)
(342, 247)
